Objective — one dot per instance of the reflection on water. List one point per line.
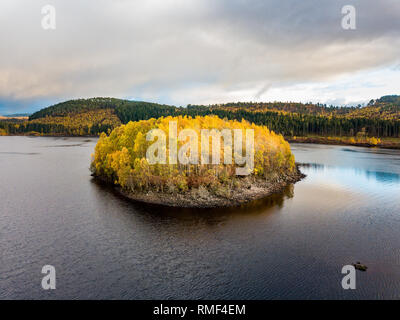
(383, 177)
(261, 206)
(20, 153)
(291, 245)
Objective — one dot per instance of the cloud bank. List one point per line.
(197, 51)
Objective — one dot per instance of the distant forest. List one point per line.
(380, 118)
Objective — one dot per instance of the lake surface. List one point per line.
(289, 246)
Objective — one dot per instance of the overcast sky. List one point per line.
(198, 51)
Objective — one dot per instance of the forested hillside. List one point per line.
(85, 117)
(362, 122)
(75, 106)
(380, 119)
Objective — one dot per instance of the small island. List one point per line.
(121, 159)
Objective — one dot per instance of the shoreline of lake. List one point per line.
(310, 140)
(326, 141)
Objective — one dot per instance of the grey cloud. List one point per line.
(164, 49)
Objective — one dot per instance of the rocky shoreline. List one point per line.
(203, 199)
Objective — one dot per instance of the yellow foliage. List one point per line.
(80, 124)
(121, 156)
(374, 141)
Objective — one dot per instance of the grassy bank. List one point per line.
(388, 143)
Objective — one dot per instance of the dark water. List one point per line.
(289, 246)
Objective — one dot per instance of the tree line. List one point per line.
(380, 118)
